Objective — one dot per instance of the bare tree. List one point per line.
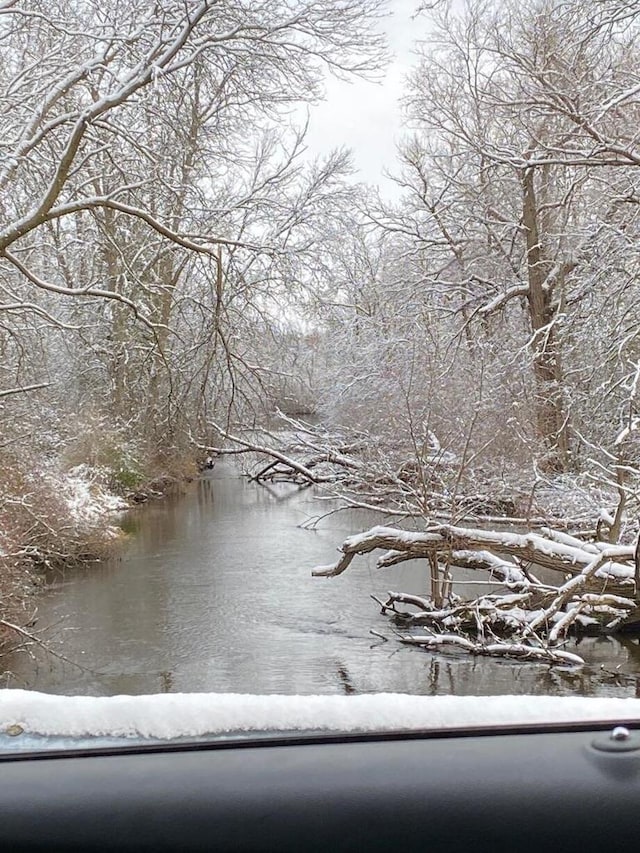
(129, 181)
(522, 117)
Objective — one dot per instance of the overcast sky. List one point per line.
(364, 116)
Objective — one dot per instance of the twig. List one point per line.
(39, 642)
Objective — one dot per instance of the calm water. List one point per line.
(214, 593)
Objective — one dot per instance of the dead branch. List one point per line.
(299, 468)
(534, 616)
(23, 389)
(511, 650)
(32, 639)
(445, 539)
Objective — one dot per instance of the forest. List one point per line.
(180, 280)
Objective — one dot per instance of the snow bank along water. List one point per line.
(198, 714)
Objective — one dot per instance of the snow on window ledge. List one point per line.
(170, 716)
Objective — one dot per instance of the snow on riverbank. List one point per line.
(180, 715)
(49, 517)
(56, 509)
(87, 498)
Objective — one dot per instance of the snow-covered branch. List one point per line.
(530, 616)
(614, 562)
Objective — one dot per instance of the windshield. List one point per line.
(319, 363)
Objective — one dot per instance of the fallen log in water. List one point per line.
(568, 555)
(508, 650)
(392, 478)
(285, 466)
(529, 618)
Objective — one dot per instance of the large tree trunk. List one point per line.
(551, 419)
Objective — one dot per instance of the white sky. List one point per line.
(364, 116)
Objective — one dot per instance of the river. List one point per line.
(214, 593)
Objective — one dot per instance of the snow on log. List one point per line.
(510, 650)
(313, 469)
(527, 548)
(295, 466)
(529, 618)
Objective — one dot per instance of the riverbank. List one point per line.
(52, 517)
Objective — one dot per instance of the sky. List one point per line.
(366, 116)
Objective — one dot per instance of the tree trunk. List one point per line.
(551, 419)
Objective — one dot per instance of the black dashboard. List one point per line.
(511, 790)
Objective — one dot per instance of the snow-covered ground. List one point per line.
(74, 504)
(90, 504)
(178, 715)
(86, 496)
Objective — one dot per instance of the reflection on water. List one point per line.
(214, 593)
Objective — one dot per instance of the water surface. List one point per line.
(214, 593)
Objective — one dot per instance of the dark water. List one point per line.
(214, 593)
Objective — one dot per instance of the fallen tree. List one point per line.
(288, 466)
(521, 616)
(367, 472)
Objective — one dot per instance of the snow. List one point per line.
(616, 570)
(626, 432)
(88, 501)
(606, 516)
(559, 547)
(407, 537)
(566, 539)
(192, 715)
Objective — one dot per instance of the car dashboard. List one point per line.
(513, 789)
